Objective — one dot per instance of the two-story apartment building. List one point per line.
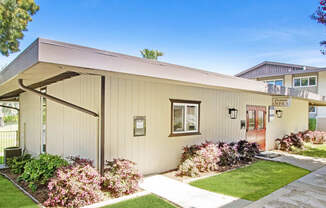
(293, 75)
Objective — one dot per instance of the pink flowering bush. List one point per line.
(199, 158)
(209, 156)
(121, 177)
(316, 137)
(76, 185)
(288, 142)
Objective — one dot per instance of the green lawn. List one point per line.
(147, 201)
(252, 182)
(11, 196)
(312, 150)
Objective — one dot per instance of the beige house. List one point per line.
(308, 78)
(102, 105)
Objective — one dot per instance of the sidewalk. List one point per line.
(306, 192)
(188, 196)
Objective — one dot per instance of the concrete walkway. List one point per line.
(307, 192)
(308, 163)
(188, 196)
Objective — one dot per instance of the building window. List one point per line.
(305, 81)
(277, 82)
(312, 109)
(185, 117)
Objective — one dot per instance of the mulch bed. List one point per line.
(41, 194)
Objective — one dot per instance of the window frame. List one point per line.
(306, 77)
(274, 81)
(184, 103)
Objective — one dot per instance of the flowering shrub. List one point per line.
(121, 177)
(209, 156)
(76, 185)
(247, 151)
(316, 137)
(199, 158)
(289, 141)
(39, 171)
(296, 140)
(229, 154)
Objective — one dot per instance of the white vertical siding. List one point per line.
(30, 122)
(70, 132)
(129, 96)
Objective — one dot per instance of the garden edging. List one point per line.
(23, 190)
(116, 200)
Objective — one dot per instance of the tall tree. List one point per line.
(14, 18)
(320, 17)
(151, 54)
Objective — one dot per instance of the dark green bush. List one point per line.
(16, 164)
(39, 171)
(312, 124)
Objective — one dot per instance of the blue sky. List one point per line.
(216, 35)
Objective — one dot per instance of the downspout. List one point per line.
(102, 117)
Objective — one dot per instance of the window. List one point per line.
(278, 82)
(305, 81)
(312, 109)
(184, 117)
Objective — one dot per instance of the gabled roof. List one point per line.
(308, 69)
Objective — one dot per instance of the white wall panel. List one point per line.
(30, 122)
(71, 132)
(129, 96)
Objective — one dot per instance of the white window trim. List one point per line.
(274, 80)
(185, 118)
(308, 81)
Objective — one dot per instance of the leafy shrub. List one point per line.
(76, 185)
(10, 119)
(229, 155)
(316, 137)
(199, 158)
(16, 164)
(289, 141)
(247, 151)
(121, 177)
(39, 171)
(312, 124)
(209, 156)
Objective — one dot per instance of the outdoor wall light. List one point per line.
(233, 113)
(279, 113)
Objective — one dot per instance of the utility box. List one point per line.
(12, 152)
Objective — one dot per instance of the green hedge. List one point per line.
(312, 124)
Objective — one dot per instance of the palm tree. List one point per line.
(151, 54)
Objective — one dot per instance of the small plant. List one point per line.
(121, 177)
(39, 171)
(76, 185)
(17, 164)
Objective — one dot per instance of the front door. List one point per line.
(256, 125)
